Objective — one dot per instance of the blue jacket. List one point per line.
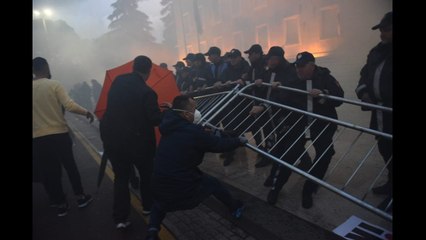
(176, 176)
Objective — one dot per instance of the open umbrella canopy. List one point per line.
(160, 80)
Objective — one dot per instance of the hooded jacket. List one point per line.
(177, 179)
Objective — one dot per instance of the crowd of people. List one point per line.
(170, 179)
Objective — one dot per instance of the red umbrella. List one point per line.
(162, 81)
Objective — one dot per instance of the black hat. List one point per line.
(386, 21)
(234, 53)
(213, 50)
(255, 48)
(189, 57)
(276, 51)
(199, 57)
(179, 64)
(303, 58)
(185, 69)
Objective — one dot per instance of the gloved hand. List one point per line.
(243, 140)
(90, 116)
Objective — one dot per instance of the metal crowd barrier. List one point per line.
(228, 110)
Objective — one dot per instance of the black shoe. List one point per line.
(268, 182)
(307, 201)
(123, 225)
(85, 200)
(63, 209)
(238, 211)
(152, 235)
(146, 211)
(134, 182)
(385, 189)
(385, 203)
(273, 196)
(54, 205)
(263, 162)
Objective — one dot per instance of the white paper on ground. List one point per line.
(354, 227)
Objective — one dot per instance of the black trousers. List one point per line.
(385, 149)
(322, 149)
(70, 166)
(122, 158)
(49, 152)
(267, 127)
(209, 186)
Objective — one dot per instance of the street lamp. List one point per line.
(46, 13)
(36, 13)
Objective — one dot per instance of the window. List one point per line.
(291, 30)
(262, 36)
(218, 42)
(238, 41)
(259, 3)
(235, 7)
(189, 49)
(216, 11)
(187, 25)
(198, 17)
(330, 26)
(203, 47)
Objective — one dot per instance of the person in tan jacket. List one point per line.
(52, 145)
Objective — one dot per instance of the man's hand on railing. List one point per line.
(258, 82)
(243, 140)
(315, 92)
(255, 110)
(217, 84)
(239, 81)
(366, 98)
(275, 84)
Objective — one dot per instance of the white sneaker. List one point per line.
(146, 212)
(123, 225)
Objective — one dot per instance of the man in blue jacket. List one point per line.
(177, 182)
